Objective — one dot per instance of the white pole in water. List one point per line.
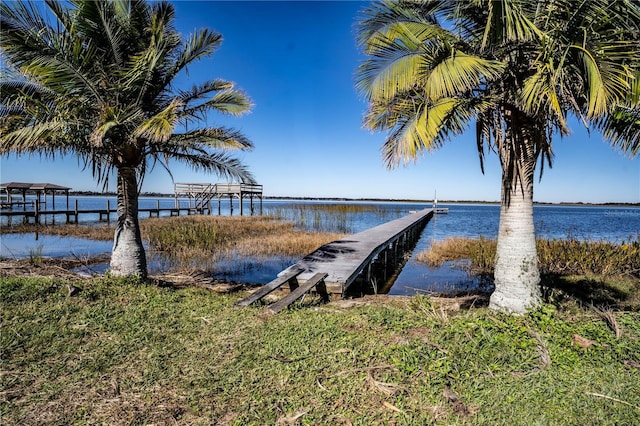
(435, 200)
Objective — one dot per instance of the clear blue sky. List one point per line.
(296, 60)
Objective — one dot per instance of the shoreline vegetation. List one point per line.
(175, 349)
(192, 241)
(599, 272)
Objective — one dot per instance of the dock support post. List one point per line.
(36, 207)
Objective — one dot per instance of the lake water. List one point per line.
(615, 224)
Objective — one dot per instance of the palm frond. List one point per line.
(32, 138)
(509, 23)
(540, 95)
(160, 127)
(217, 138)
(411, 35)
(201, 91)
(199, 45)
(604, 85)
(234, 102)
(203, 161)
(384, 77)
(622, 127)
(417, 132)
(460, 73)
(382, 17)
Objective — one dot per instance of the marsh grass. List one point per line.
(554, 256)
(198, 239)
(122, 352)
(35, 255)
(596, 272)
(329, 217)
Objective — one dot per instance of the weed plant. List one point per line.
(597, 273)
(557, 256)
(121, 352)
(198, 241)
(204, 239)
(35, 255)
(328, 217)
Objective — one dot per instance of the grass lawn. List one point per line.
(120, 352)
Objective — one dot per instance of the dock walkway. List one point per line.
(370, 256)
(201, 195)
(72, 214)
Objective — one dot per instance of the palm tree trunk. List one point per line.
(128, 256)
(517, 277)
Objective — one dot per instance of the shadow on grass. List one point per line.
(617, 292)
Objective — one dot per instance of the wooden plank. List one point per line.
(269, 287)
(344, 259)
(297, 293)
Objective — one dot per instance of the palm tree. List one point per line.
(517, 69)
(96, 79)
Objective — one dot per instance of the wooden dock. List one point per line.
(368, 258)
(72, 214)
(201, 195)
(199, 201)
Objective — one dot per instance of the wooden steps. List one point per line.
(289, 277)
(296, 291)
(316, 281)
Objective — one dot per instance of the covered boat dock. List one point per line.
(15, 193)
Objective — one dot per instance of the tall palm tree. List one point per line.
(96, 79)
(517, 69)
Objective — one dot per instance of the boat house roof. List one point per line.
(36, 187)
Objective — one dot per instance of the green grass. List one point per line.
(122, 352)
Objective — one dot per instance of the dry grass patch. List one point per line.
(556, 256)
(47, 267)
(456, 248)
(289, 242)
(216, 238)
